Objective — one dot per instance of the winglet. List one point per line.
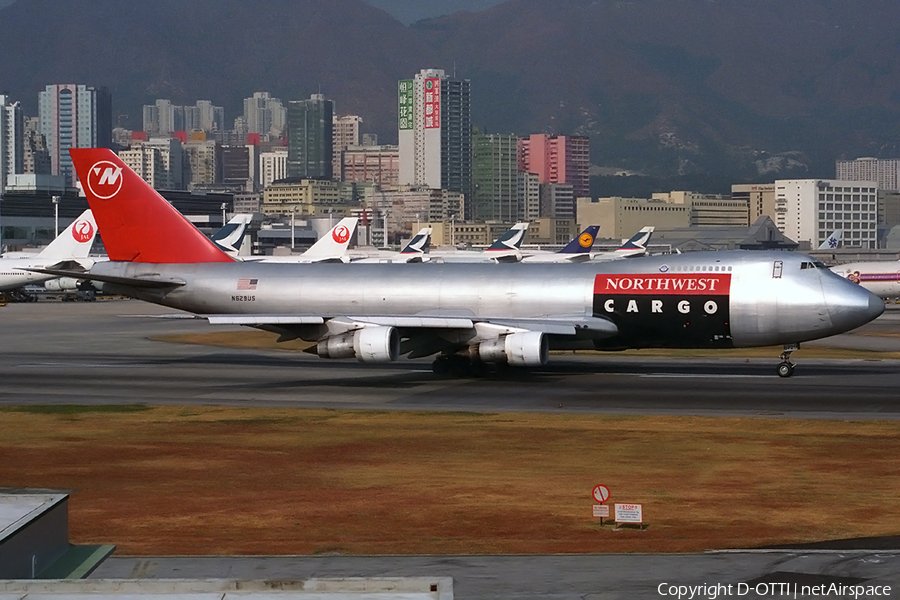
(137, 224)
(75, 241)
(583, 242)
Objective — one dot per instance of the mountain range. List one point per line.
(749, 89)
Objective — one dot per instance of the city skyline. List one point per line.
(660, 92)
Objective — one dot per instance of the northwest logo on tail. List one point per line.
(105, 179)
(82, 231)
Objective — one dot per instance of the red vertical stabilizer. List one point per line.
(135, 222)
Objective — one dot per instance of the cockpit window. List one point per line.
(820, 265)
(806, 265)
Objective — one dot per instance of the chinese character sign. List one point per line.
(405, 106)
(432, 104)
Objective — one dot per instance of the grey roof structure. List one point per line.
(762, 235)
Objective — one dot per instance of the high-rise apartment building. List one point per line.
(346, 134)
(163, 118)
(202, 163)
(310, 125)
(495, 178)
(239, 167)
(272, 166)
(264, 115)
(379, 165)
(147, 162)
(808, 210)
(883, 171)
(529, 194)
(12, 139)
(558, 159)
(74, 116)
(435, 132)
(36, 157)
(557, 200)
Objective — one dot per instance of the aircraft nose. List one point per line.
(850, 305)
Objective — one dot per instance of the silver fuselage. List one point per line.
(766, 298)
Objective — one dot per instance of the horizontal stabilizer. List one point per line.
(136, 282)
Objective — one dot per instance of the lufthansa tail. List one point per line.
(138, 224)
(583, 243)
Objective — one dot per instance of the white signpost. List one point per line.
(630, 513)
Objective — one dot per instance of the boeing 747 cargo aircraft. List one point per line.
(467, 315)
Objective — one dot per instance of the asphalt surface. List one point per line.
(100, 352)
(560, 577)
(85, 353)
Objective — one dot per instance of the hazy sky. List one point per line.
(408, 11)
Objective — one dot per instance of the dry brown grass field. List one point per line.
(215, 480)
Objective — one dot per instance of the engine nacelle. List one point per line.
(62, 284)
(369, 344)
(526, 349)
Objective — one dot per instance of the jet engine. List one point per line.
(526, 349)
(369, 344)
(62, 284)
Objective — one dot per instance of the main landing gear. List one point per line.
(786, 367)
(458, 366)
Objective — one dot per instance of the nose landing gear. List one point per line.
(786, 367)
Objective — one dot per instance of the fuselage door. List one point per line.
(777, 269)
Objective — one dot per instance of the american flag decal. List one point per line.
(247, 284)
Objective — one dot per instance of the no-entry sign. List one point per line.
(601, 493)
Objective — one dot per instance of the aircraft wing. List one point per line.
(552, 325)
(137, 282)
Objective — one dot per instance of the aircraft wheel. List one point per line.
(441, 365)
(785, 369)
(460, 366)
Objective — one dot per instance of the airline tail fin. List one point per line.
(832, 241)
(138, 224)
(231, 236)
(75, 241)
(583, 242)
(333, 245)
(511, 240)
(419, 243)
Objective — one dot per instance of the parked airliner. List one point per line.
(69, 251)
(881, 277)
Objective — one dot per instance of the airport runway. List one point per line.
(100, 353)
(84, 353)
